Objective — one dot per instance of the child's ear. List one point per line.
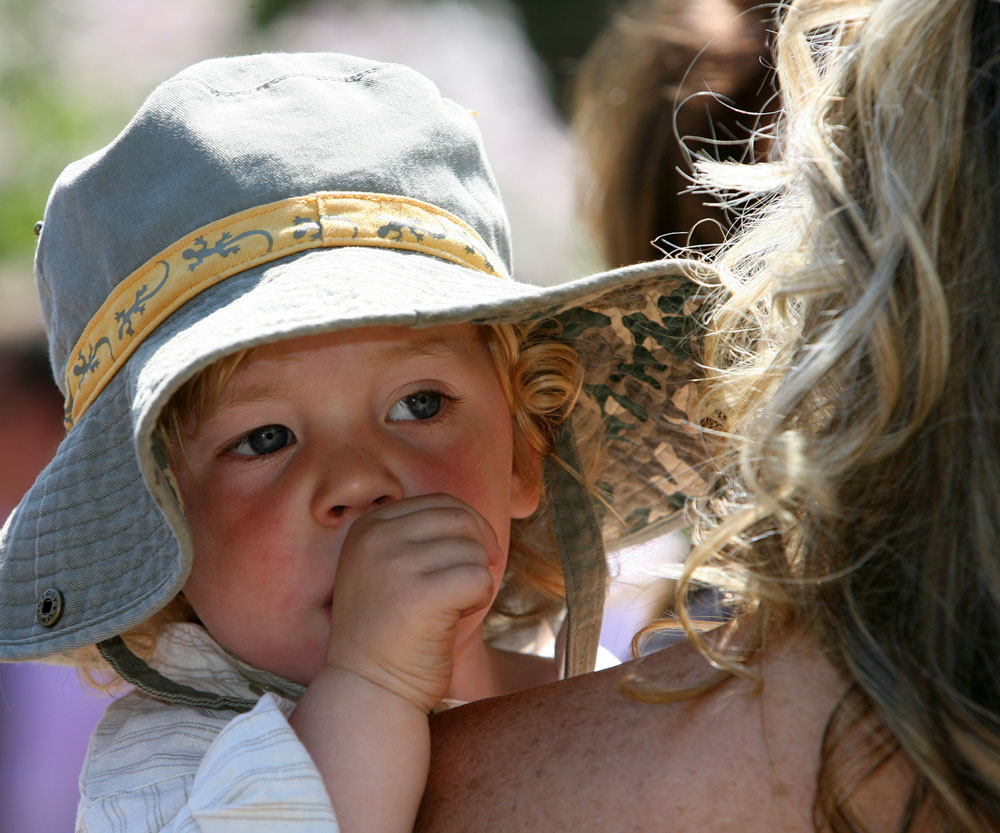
(526, 478)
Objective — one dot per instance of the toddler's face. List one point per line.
(312, 433)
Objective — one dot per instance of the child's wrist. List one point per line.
(372, 686)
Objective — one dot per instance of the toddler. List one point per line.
(321, 450)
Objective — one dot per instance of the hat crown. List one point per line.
(230, 134)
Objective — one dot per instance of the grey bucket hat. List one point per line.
(259, 198)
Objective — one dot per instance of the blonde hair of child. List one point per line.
(855, 359)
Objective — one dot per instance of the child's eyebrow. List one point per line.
(431, 347)
(246, 395)
(253, 393)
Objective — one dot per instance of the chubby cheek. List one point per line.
(264, 614)
(238, 535)
(251, 594)
(478, 478)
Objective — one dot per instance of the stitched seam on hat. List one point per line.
(347, 79)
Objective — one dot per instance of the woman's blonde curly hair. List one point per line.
(856, 361)
(541, 378)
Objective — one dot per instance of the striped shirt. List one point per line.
(157, 767)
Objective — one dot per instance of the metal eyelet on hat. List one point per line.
(38, 228)
(50, 608)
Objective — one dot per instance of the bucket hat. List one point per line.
(264, 197)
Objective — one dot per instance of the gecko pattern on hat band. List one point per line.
(242, 241)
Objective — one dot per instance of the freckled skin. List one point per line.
(580, 756)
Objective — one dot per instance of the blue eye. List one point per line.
(264, 440)
(423, 404)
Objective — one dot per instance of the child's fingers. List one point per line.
(386, 540)
(438, 599)
(396, 626)
(409, 571)
(446, 574)
(429, 516)
(430, 559)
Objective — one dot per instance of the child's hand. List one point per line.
(408, 572)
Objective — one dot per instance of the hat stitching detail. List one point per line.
(271, 82)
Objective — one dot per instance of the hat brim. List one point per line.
(103, 527)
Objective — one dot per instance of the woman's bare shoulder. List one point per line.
(579, 755)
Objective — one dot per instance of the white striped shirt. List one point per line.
(157, 767)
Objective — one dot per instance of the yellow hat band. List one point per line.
(242, 241)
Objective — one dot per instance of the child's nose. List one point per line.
(356, 481)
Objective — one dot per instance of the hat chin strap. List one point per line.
(148, 680)
(581, 553)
